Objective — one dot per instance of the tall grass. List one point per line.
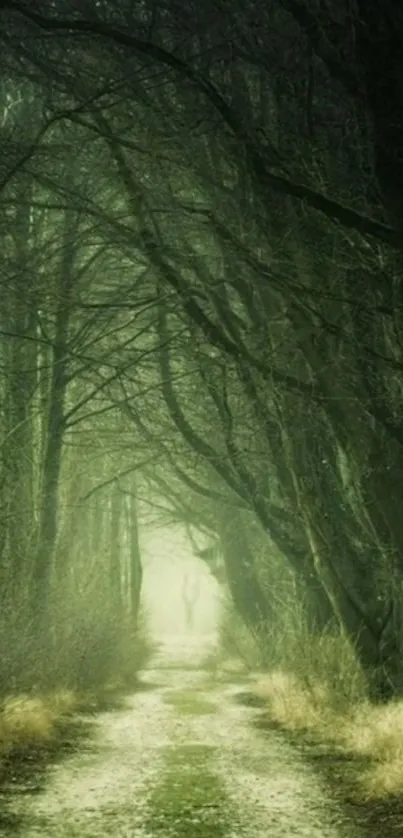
(313, 685)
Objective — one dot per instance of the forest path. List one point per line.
(179, 760)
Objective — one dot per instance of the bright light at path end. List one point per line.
(171, 573)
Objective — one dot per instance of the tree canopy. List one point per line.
(201, 208)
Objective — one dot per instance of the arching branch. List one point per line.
(264, 179)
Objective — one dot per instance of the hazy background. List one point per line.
(168, 561)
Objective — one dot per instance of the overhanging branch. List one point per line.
(264, 179)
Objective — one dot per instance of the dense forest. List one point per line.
(201, 306)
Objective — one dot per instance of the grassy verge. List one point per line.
(38, 723)
(39, 729)
(359, 746)
(369, 734)
(313, 689)
(35, 728)
(189, 800)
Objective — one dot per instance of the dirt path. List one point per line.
(179, 760)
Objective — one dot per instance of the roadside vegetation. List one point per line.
(369, 736)
(312, 687)
(47, 714)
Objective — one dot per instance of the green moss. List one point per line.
(190, 800)
(189, 702)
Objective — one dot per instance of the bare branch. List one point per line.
(264, 179)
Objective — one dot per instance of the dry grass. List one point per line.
(295, 706)
(361, 730)
(28, 721)
(63, 702)
(377, 733)
(316, 689)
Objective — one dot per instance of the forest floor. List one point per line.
(180, 758)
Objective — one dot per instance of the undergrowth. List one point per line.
(313, 685)
(370, 735)
(80, 667)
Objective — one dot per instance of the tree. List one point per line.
(256, 193)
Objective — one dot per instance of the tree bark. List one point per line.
(135, 572)
(114, 592)
(247, 594)
(48, 516)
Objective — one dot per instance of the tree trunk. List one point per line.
(135, 572)
(380, 664)
(247, 594)
(20, 361)
(115, 557)
(48, 517)
(379, 46)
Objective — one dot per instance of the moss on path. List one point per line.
(189, 800)
(189, 702)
